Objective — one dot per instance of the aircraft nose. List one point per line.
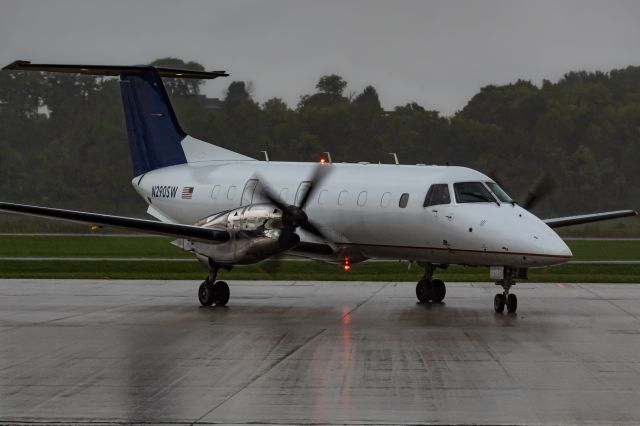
(548, 244)
(558, 247)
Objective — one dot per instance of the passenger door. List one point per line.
(440, 218)
(248, 191)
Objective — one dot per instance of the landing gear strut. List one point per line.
(505, 298)
(429, 289)
(213, 292)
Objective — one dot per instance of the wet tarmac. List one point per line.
(317, 353)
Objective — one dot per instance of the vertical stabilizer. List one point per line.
(153, 129)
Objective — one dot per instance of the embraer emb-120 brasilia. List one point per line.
(229, 209)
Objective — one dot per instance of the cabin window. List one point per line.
(322, 197)
(302, 192)
(472, 192)
(231, 193)
(385, 200)
(499, 192)
(215, 192)
(362, 198)
(438, 194)
(404, 200)
(342, 197)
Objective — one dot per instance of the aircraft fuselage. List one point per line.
(363, 208)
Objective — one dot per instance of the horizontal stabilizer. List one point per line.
(588, 218)
(113, 70)
(190, 232)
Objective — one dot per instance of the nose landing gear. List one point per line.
(505, 299)
(429, 289)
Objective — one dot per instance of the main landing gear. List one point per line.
(505, 298)
(429, 289)
(213, 292)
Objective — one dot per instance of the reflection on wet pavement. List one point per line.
(317, 352)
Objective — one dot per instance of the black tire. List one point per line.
(438, 291)
(512, 303)
(499, 302)
(221, 293)
(205, 293)
(423, 290)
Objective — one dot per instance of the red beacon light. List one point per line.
(346, 265)
(322, 161)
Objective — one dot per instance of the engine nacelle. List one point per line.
(254, 232)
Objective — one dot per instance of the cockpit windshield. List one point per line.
(499, 192)
(472, 192)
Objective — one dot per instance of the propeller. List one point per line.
(544, 187)
(294, 216)
(541, 190)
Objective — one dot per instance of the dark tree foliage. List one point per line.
(64, 140)
(181, 86)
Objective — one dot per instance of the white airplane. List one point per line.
(229, 209)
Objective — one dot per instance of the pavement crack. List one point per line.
(262, 374)
(609, 301)
(364, 301)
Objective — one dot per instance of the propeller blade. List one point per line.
(542, 189)
(313, 229)
(319, 174)
(270, 195)
(288, 238)
(294, 216)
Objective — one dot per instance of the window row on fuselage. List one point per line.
(437, 194)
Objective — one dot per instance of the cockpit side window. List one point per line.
(438, 194)
(472, 192)
(499, 192)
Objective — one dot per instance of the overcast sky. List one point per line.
(436, 53)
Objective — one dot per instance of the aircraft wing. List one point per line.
(190, 232)
(587, 218)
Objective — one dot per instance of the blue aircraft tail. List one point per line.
(153, 130)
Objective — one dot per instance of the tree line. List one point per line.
(63, 136)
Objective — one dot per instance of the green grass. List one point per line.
(605, 249)
(155, 247)
(138, 246)
(378, 271)
(88, 246)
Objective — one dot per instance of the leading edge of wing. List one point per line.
(142, 225)
(588, 218)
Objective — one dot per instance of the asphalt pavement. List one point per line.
(91, 351)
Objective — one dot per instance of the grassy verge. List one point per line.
(155, 247)
(379, 271)
(88, 246)
(142, 246)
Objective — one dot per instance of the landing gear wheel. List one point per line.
(438, 291)
(221, 293)
(499, 302)
(423, 290)
(512, 303)
(205, 293)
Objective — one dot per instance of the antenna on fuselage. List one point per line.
(329, 160)
(395, 158)
(266, 156)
